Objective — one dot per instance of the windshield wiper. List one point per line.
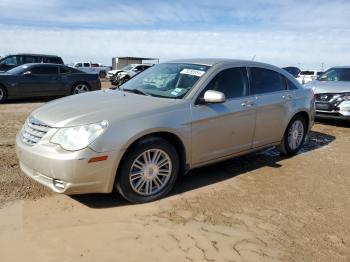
(136, 91)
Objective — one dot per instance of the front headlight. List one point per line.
(79, 137)
(346, 97)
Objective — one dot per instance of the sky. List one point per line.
(305, 33)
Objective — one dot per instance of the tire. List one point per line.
(3, 94)
(294, 136)
(102, 74)
(79, 88)
(138, 187)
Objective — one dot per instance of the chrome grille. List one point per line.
(324, 97)
(33, 130)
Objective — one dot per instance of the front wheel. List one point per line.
(294, 136)
(148, 171)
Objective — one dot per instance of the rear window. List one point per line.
(266, 81)
(290, 84)
(307, 73)
(29, 59)
(45, 70)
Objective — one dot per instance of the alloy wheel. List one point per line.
(296, 134)
(80, 88)
(150, 172)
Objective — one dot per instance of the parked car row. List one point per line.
(189, 113)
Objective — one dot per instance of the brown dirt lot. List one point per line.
(259, 207)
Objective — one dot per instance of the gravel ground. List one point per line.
(259, 207)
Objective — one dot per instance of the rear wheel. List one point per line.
(3, 94)
(80, 88)
(149, 171)
(294, 136)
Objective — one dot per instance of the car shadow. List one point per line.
(214, 173)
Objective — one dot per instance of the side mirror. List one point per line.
(27, 73)
(135, 70)
(212, 96)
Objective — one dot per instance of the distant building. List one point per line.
(120, 62)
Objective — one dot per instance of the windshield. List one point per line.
(18, 70)
(170, 80)
(128, 67)
(336, 74)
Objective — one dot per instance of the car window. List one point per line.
(45, 70)
(232, 82)
(29, 59)
(53, 60)
(336, 74)
(307, 73)
(64, 70)
(86, 65)
(79, 65)
(290, 84)
(265, 81)
(11, 61)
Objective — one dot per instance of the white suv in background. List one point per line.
(129, 70)
(308, 76)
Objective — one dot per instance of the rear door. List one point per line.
(44, 80)
(219, 130)
(271, 105)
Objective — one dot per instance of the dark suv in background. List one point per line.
(11, 61)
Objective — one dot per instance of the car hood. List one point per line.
(321, 87)
(92, 107)
(114, 71)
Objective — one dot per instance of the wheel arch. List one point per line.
(170, 137)
(305, 115)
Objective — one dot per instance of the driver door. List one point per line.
(43, 80)
(220, 130)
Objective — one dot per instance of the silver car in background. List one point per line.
(332, 93)
(169, 119)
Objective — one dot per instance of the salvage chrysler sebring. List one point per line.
(169, 119)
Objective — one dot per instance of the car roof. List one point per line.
(340, 67)
(34, 55)
(221, 61)
(43, 64)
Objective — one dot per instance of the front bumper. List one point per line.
(67, 172)
(333, 109)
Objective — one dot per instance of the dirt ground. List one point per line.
(259, 207)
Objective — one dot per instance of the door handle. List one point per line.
(287, 97)
(248, 104)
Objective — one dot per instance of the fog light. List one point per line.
(59, 184)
